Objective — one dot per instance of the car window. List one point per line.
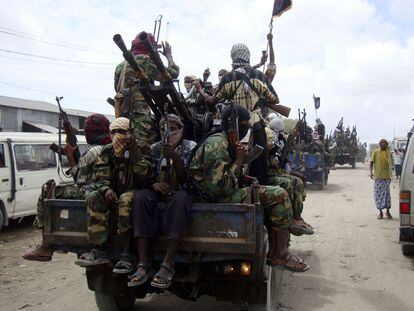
(2, 158)
(34, 157)
(82, 149)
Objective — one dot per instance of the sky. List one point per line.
(357, 55)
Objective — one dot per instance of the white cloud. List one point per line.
(354, 54)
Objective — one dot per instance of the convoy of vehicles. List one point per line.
(26, 163)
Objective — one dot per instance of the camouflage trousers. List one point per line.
(98, 216)
(144, 125)
(296, 189)
(275, 200)
(70, 192)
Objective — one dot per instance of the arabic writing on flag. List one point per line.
(281, 6)
(317, 101)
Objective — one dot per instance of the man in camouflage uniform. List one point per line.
(278, 176)
(167, 187)
(234, 86)
(125, 78)
(97, 135)
(119, 170)
(217, 167)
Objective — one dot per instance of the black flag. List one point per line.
(317, 102)
(340, 124)
(281, 6)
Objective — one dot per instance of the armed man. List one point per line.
(97, 135)
(250, 89)
(279, 177)
(126, 79)
(170, 161)
(119, 170)
(217, 168)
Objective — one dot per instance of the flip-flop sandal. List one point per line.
(93, 258)
(163, 279)
(36, 256)
(125, 265)
(380, 217)
(290, 262)
(389, 216)
(304, 228)
(143, 273)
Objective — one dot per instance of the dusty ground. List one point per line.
(356, 262)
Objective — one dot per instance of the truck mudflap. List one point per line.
(213, 228)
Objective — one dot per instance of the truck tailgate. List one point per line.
(213, 228)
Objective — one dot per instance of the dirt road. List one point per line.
(356, 262)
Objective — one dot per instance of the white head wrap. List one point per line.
(240, 55)
(277, 124)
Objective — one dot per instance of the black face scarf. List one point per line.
(243, 115)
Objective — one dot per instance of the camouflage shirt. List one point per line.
(125, 76)
(108, 172)
(213, 170)
(84, 170)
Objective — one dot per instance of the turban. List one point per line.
(138, 46)
(277, 124)
(240, 55)
(96, 122)
(120, 124)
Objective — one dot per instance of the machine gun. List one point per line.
(158, 96)
(71, 139)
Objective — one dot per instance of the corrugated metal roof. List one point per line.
(43, 106)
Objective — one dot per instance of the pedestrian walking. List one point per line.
(397, 154)
(381, 167)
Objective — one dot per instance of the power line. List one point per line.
(80, 100)
(55, 59)
(28, 36)
(51, 63)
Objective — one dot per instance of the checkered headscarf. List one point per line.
(240, 55)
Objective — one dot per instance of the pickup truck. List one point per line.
(223, 255)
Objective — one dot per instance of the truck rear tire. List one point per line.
(271, 292)
(107, 302)
(407, 250)
(1, 219)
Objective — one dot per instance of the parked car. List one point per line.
(407, 202)
(26, 163)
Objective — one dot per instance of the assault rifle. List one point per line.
(165, 138)
(71, 139)
(292, 139)
(128, 170)
(233, 136)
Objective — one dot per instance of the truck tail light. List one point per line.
(405, 202)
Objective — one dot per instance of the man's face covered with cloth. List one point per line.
(120, 136)
(176, 126)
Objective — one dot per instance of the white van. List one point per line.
(26, 163)
(407, 201)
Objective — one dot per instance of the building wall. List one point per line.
(8, 119)
(11, 119)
